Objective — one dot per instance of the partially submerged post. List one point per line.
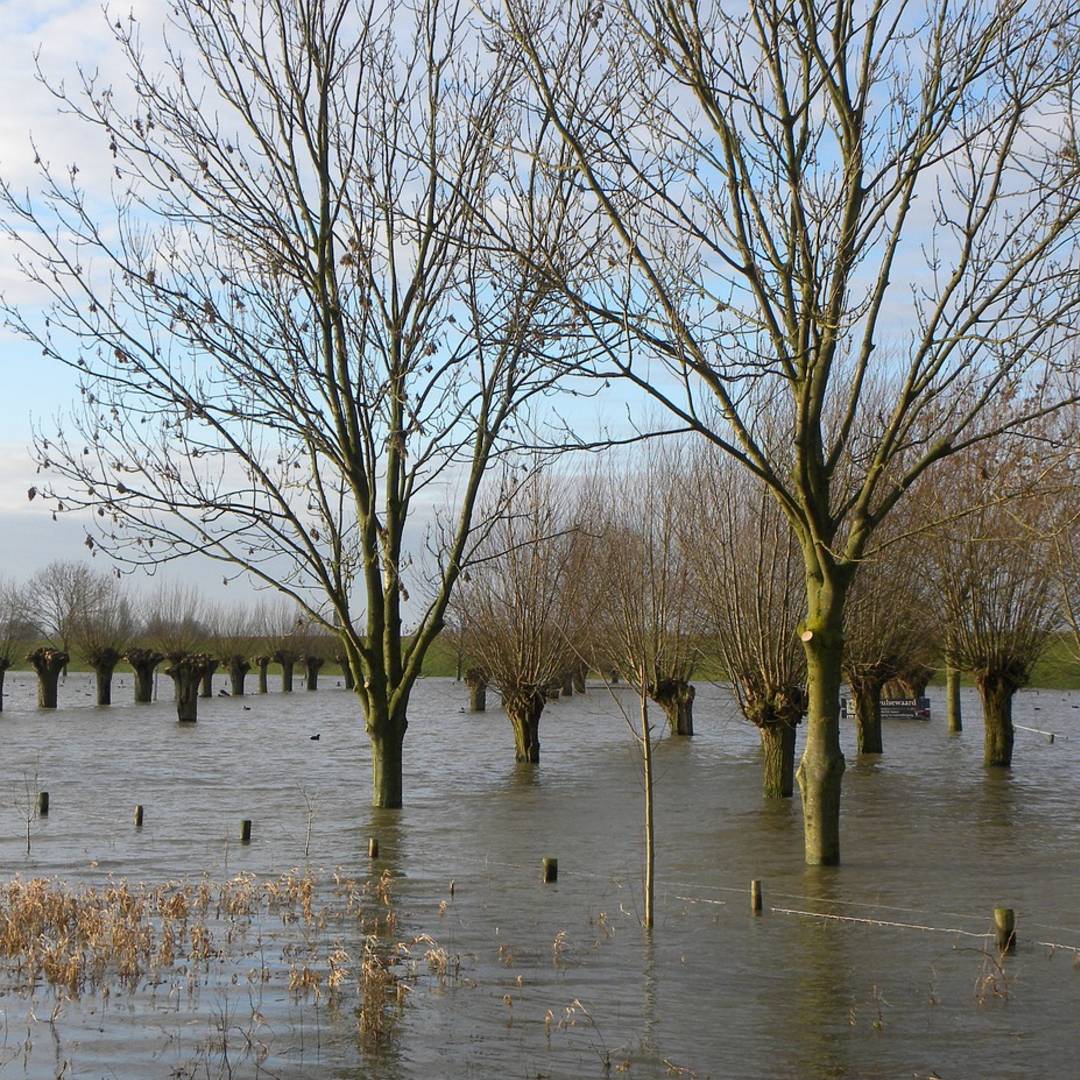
(373, 847)
(138, 816)
(755, 896)
(1005, 929)
(550, 869)
(245, 831)
(43, 804)
(143, 662)
(48, 663)
(187, 671)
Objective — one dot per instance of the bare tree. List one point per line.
(748, 575)
(759, 190)
(995, 569)
(648, 616)
(177, 631)
(520, 596)
(888, 633)
(14, 630)
(57, 598)
(289, 335)
(233, 645)
(102, 631)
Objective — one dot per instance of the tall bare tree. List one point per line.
(748, 575)
(288, 334)
(760, 191)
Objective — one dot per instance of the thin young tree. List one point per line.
(760, 191)
(748, 575)
(288, 333)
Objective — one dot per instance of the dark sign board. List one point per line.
(896, 709)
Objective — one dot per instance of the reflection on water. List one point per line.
(932, 841)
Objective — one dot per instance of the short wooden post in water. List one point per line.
(373, 847)
(551, 868)
(1005, 929)
(755, 896)
(138, 816)
(43, 804)
(245, 831)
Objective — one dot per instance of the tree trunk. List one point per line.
(478, 697)
(778, 773)
(287, 664)
(103, 675)
(650, 840)
(568, 684)
(187, 674)
(821, 770)
(312, 664)
(997, 693)
(48, 663)
(238, 669)
(262, 663)
(206, 688)
(954, 720)
(580, 673)
(5, 663)
(866, 697)
(386, 782)
(144, 662)
(342, 662)
(676, 698)
(524, 711)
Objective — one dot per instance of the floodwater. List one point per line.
(879, 968)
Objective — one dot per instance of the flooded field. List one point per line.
(881, 968)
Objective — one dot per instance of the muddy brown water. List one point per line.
(880, 968)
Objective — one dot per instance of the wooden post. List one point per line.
(43, 804)
(755, 896)
(138, 816)
(1005, 929)
(550, 868)
(245, 831)
(373, 847)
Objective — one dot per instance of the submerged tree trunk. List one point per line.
(866, 698)
(261, 663)
(778, 772)
(187, 674)
(104, 663)
(579, 675)
(342, 662)
(568, 684)
(996, 691)
(476, 681)
(238, 669)
(524, 710)
(650, 839)
(143, 662)
(953, 717)
(5, 663)
(206, 688)
(386, 759)
(821, 770)
(312, 664)
(287, 662)
(48, 663)
(676, 698)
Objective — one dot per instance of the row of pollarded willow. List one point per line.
(69, 610)
(348, 248)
